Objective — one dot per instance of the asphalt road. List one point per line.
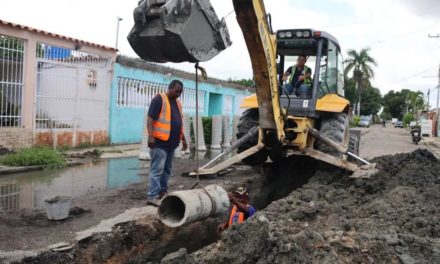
(378, 141)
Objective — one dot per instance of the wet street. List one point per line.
(28, 190)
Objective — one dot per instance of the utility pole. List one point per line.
(117, 31)
(429, 91)
(438, 98)
(438, 90)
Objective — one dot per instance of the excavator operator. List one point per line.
(300, 80)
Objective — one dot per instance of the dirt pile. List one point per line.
(392, 217)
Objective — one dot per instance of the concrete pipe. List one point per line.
(188, 206)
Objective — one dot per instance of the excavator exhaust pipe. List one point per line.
(177, 31)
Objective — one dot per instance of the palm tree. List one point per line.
(360, 65)
(415, 101)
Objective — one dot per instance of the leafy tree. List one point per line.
(385, 115)
(395, 103)
(372, 101)
(415, 101)
(244, 82)
(407, 118)
(350, 91)
(360, 66)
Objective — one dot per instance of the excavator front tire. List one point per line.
(248, 120)
(335, 127)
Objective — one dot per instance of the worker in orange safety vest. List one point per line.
(241, 209)
(165, 132)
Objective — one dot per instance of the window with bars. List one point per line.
(134, 93)
(11, 81)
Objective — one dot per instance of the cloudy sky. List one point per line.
(396, 31)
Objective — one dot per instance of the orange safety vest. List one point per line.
(162, 126)
(236, 213)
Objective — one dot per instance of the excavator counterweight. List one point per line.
(177, 31)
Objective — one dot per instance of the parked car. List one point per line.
(398, 124)
(364, 123)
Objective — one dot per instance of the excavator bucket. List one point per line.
(177, 31)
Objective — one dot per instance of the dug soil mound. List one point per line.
(308, 212)
(392, 217)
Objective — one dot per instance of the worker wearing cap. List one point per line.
(241, 209)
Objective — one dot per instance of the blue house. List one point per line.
(136, 82)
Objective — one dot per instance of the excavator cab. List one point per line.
(323, 57)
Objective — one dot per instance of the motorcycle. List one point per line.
(416, 135)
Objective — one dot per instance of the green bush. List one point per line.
(207, 129)
(356, 120)
(46, 157)
(407, 118)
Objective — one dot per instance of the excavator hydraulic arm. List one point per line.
(177, 31)
(252, 18)
(189, 30)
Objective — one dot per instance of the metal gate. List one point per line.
(11, 81)
(72, 89)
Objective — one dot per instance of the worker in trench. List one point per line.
(240, 211)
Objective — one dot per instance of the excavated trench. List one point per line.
(148, 240)
(308, 212)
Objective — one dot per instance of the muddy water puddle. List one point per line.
(28, 190)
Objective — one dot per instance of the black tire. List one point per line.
(248, 120)
(335, 127)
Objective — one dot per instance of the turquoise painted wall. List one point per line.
(126, 123)
(215, 104)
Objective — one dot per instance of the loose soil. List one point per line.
(389, 218)
(308, 212)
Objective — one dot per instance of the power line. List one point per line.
(401, 35)
(417, 74)
(381, 20)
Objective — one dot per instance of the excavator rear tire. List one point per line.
(335, 127)
(248, 120)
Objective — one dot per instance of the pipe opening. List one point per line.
(172, 209)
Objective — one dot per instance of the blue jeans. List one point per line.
(304, 91)
(160, 171)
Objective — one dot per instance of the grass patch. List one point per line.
(46, 157)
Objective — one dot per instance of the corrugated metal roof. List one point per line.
(43, 32)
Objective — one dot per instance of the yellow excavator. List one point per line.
(276, 124)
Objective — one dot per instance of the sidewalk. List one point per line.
(433, 144)
(108, 152)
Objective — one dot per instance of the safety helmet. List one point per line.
(241, 191)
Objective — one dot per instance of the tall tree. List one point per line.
(415, 101)
(360, 66)
(395, 103)
(372, 101)
(350, 91)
